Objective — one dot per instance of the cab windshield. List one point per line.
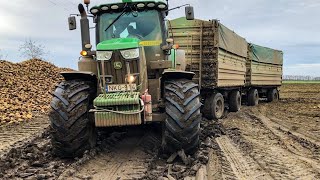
(143, 25)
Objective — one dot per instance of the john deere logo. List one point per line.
(117, 65)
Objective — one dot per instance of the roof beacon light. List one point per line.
(151, 5)
(162, 6)
(87, 2)
(94, 11)
(141, 5)
(114, 7)
(104, 8)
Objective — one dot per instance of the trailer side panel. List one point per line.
(264, 66)
(216, 54)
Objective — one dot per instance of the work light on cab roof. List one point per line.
(136, 4)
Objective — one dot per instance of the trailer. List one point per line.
(228, 69)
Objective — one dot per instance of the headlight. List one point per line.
(104, 55)
(130, 53)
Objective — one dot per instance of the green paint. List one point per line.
(300, 82)
(117, 44)
(126, 1)
(173, 58)
(117, 99)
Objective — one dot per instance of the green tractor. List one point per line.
(135, 76)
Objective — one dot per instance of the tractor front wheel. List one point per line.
(182, 125)
(72, 126)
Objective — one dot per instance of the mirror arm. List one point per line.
(178, 7)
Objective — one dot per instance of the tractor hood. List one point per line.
(117, 44)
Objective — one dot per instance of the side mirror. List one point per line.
(189, 13)
(72, 23)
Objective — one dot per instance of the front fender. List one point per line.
(82, 75)
(177, 74)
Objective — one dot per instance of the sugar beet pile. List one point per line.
(26, 89)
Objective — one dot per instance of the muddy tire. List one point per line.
(214, 106)
(181, 128)
(72, 127)
(253, 97)
(273, 95)
(234, 101)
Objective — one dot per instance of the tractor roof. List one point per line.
(116, 5)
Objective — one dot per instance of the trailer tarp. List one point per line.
(230, 41)
(265, 55)
(222, 37)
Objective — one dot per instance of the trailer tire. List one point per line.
(181, 129)
(273, 95)
(214, 106)
(234, 101)
(72, 126)
(253, 97)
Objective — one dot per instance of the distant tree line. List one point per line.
(300, 78)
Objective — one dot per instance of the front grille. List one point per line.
(118, 75)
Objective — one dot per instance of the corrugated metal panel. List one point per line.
(108, 119)
(260, 74)
(216, 67)
(231, 70)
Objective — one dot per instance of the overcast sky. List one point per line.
(289, 25)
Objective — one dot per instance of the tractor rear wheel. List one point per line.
(72, 126)
(234, 101)
(181, 128)
(253, 97)
(214, 106)
(273, 95)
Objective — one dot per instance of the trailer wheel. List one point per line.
(181, 128)
(234, 101)
(273, 95)
(72, 127)
(214, 106)
(253, 97)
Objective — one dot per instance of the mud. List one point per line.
(16, 134)
(277, 140)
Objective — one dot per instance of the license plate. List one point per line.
(121, 87)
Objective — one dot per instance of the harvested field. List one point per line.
(277, 140)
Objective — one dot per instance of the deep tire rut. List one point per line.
(270, 148)
(15, 136)
(243, 166)
(127, 158)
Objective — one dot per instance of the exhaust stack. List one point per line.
(85, 29)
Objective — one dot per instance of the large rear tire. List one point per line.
(182, 125)
(273, 95)
(72, 126)
(214, 106)
(253, 97)
(234, 101)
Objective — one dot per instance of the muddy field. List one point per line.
(270, 141)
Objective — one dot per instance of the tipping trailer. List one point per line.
(227, 68)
